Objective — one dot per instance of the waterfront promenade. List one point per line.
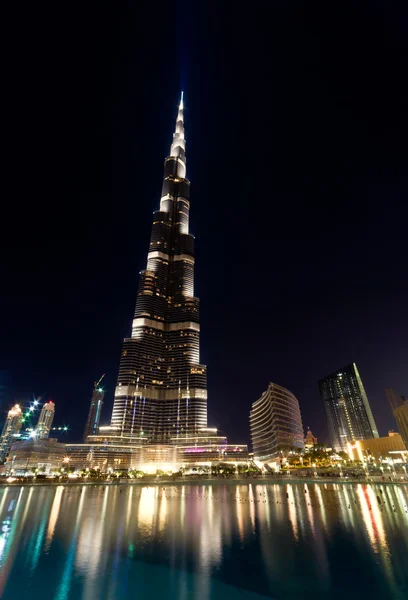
(149, 480)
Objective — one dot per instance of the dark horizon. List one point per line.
(296, 133)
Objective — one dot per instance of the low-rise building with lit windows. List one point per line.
(43, 454)
(381, 448)
(110, 451)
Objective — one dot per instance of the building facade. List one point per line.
(94, 415)
(276, 424)
(348, 412)
(399, 407)
(11, 429)
(379, 449)
(43, 454)
(161, 391)
(310, 439)
(202, 449)
(42, 431)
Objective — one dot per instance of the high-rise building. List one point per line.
(399, 407)
(276, 424)
(95, 409)
(10, 431)
(161, 391)
(348, 412)
(42, 431)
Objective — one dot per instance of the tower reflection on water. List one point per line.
(203, 541)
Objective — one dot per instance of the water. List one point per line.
(204, 541)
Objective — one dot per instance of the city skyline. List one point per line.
(299, 205)
(92, 421)
(203, 301)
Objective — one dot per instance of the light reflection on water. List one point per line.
(225, 541)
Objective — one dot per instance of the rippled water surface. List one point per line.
(204, 541)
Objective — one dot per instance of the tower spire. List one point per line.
(178, 146)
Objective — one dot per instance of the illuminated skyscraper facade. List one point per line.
(276, 424)
(11, 429)
(161, 392)
(348, 412)
(42, 431)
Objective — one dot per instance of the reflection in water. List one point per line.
(205, 542)
(53, 516)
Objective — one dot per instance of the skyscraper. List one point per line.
(399, 407)
(159, 417)
(276, 424)
(42, 431)
(95, 409)
(11, 428)
(348, 413)
(161, 391)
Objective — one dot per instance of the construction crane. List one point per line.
(96, 384)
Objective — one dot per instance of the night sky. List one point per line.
(297, 128)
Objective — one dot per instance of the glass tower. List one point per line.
(348, 413)
(161, 391)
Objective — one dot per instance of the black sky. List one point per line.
(297, 127)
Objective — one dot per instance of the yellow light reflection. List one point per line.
(239, 511)
(292, 511)
(321, 504)
(162, 512)
(251, 506)
(146, 506)
(310, 514)
(56, 505)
